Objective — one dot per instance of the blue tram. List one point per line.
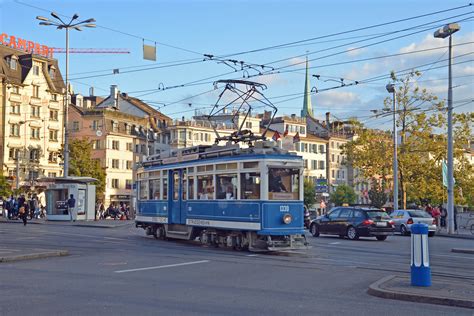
(244, 198)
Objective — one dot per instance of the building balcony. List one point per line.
(15, 97)
(35, 101)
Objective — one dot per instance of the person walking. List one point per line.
(444, 214)
(71, 204)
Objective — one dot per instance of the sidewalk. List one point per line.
(441, 292)
(10, 254)
(106, 223)
(460, 233)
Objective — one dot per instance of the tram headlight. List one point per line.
(287, 218)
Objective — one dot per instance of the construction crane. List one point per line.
(57, 50)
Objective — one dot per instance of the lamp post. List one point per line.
(444, 32)
(60, 24)
(391, 89)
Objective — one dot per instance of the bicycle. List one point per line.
(469, 223)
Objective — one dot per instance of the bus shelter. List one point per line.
(58, 192)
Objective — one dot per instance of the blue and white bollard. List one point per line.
(420, 257)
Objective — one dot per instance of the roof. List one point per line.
(25, 62)
(68, 180)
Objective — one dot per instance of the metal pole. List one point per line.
(450, 146)
(395, 159)
(66, 108)
(17, 169)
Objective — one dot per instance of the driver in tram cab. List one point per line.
(275, 183)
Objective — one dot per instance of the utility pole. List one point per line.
(391, 89)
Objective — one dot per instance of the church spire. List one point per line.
(307, 107)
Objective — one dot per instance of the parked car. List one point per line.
(354, 222)
(403, 220)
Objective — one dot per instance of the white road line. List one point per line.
(334, 243)
(114, 238)
(251, 255)
(162, 267)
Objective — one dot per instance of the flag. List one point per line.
(286, 131)
(445, 174)
(296, 138)
(276, 136)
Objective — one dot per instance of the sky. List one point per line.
(180, 82)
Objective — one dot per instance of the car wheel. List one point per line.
(352, 233)
(381, 238)
(431, 234)
(314, 230)
(403, 230)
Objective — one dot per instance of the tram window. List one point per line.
(191, 170)
(227, 166)
(175, 186)
(250, 165)
(250, 185)
(184, 185)
(165, 185)
(201, 168)
(226, 186)
(154, 188)
(205, 187)
(283, 184)
(191, 187)
(143, 190)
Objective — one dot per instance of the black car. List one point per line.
(354, 222)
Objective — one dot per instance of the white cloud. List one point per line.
(352, 52)
(335, 99)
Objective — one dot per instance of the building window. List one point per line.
(305, 163)
(15, 90)
(53, 115)
(128, 184)
(115, 183)
(248, 124)
(128, 129)
(96, 144)
(35, 91)
(321, 164)
(321, 149)
(52, 175)
(115, 145)
(36, 70)
(79, 102)
(115, 126)
(33, 175)
(332, 158)
(35, 111)
(115, 163)
(129, 165)
(332, 174)
(13, 153)
(338, 174)
(75, 126)
(53, 135)
(34, 155)
(342, 174)
(54, 97)
(15, 130)
(332, 144)
(337, 158)
(35, 133)
(12, 61)
(129, 147)
(52, 72)
(53, 156)
(95, 125)
(15, 108)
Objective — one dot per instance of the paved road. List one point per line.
(121, 272)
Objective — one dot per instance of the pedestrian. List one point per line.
(22, 213)
(436, 215)
(444, 214)
(71, 204)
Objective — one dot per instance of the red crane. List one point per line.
(92, 50)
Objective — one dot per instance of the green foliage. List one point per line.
(5, 187)
(82, 165)
(377, 195)
(343, 194)
(421, 123)
(309, 193)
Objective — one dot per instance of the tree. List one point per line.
(377, 194)
(82, 165)
(343, 194)
(309, 193)
(5, 187)
(421, 121)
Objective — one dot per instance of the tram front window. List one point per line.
(283, 184)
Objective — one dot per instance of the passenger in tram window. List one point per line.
(274, 181)
(230, 192)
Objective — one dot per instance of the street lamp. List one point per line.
(60, 24)
(391, 89)
(444, 32)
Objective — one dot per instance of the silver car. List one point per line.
(405, 218)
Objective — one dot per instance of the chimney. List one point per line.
(91, 91)
(293, 116)
(327, 120)
(114, 95)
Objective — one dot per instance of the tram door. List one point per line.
(176, 205)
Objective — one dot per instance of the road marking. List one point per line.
(162, 267)
(450, 256)
(251, 255)
(334, 243)
(113, 238)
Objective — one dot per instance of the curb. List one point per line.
(460, 250)
(455, 236)
(68, 224)
(31, 256)
(375, 289)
